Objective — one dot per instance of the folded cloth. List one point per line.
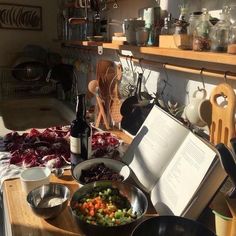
(7, 170)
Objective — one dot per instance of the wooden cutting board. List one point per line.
(222, 128)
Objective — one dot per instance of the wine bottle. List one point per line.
(80, 134)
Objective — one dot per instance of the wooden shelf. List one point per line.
(111, 46)
(82, 43)
(221, 58)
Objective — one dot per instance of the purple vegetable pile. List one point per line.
(51, 146)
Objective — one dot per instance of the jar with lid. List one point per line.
(201, 34)
(232, 30)
(232, 39)
(181, 37)
(194, 20)
(168, 28)
(220, 34)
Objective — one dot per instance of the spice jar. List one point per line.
(201, 34)
(220, 34)
(194, 20)
(181, 37)
(232, 39)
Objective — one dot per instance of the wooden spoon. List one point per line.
(223, 125)
(93, 88)
(115, 103)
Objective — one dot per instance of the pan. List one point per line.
(128, 105)
(171, 226)
(229, 165)
(134, 113)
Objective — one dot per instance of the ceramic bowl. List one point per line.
(34, 177)
(112, 164)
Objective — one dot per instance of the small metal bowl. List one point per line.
(48, 201)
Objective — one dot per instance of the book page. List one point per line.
(183, 175)
(154, 146)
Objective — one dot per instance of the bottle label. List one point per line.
(75, 145)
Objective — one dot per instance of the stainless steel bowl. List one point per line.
(48, 201)
(135, 196)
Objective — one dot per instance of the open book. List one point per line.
(179, 170)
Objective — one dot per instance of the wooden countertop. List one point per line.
(23, 221)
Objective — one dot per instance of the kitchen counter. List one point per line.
(20, 220)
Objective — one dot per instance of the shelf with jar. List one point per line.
(212, 57)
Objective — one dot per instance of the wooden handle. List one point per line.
(222, 127)
(103, 114)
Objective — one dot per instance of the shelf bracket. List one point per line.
(100, 50)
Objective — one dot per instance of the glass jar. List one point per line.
(220, 34)
(168, 28)
(194, 20)
(201, 34)
(232, 39)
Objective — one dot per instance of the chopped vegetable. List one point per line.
(104, 206)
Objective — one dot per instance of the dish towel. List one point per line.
(7, 170)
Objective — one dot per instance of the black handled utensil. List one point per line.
(229, 165)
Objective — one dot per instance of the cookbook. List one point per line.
(179, 170)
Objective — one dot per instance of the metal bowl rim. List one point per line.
(50, 184)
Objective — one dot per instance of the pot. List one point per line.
(130, 28)
(171, 225)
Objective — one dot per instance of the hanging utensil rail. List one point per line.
(187, 69)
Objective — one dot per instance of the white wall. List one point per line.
(12, 41)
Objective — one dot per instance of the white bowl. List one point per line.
(34, 177)
(115, 165)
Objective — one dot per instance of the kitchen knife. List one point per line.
(229, 166)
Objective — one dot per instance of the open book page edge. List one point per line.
(184, 174)
(206, 192)
(155, 141)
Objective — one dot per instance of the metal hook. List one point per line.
(164, 67)
(203, 83)
(126, 58)
(225, 76)
(115, 5)
(165, 80)
(131, 64)
(140, 65)
(117, 54)
(223, 95)
(167, 76)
